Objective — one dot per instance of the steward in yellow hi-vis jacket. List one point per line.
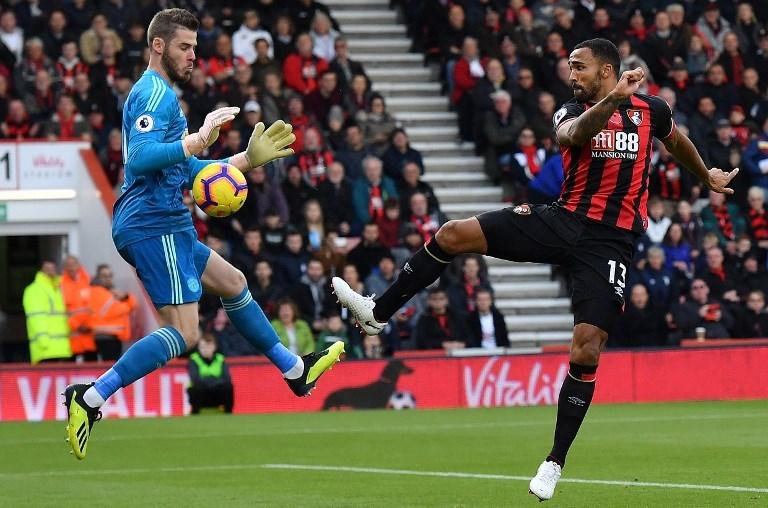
(47, 326)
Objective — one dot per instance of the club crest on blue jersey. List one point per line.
(193, 284)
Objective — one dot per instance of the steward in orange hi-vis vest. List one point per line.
(111, 312)
(76, 287)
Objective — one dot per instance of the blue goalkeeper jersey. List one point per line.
(156, 171)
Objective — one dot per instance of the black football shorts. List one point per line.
(595, 256)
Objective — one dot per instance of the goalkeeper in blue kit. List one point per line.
(152, 229)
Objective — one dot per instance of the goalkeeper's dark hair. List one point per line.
(165, 23)
(605, 51)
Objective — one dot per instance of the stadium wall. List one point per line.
(728, 373)
(59, 188)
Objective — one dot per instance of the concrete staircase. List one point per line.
(533, 305)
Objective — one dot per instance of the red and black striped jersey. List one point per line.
(606, 179)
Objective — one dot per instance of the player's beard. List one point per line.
(174, 74)
(587, 94)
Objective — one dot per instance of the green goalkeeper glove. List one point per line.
(270, 144)
(209, 132)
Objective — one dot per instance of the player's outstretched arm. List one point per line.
(209, 132)
(578, 131)
(682, 149)
(265, 145)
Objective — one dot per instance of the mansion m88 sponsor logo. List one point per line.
(610, 144)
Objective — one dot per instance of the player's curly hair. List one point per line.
(604, 50)
(165, 23)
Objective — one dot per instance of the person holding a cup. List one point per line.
(701, 316)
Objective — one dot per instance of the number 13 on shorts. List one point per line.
(620, 282)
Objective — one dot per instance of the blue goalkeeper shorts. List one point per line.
(169, 266)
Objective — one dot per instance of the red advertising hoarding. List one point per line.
(32, 393)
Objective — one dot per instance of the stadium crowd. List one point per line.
(352, 202)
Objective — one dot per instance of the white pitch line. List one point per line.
(371, 470)
(483, 476)
(392, 428)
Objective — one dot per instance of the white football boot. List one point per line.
(360, 306)
(543, 484)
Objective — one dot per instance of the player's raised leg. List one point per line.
(226, 281)
(422, 269)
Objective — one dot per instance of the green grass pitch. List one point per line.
(221, 461)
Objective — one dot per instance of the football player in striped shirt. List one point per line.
(606, 137)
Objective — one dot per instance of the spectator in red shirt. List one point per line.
(439, 327)
(524, 165)
(69, 65)
(467, 71)
(389, 223)
(221, 66)
(462, 293)
(724, 219)
(427, 223)
(733, 59)
(720, 277)
(315, 158)
(302, 68)
(67, 122)
(300, 122)
(18, 125)
(637, 30)
(741, 131)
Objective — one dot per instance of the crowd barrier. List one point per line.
(32, 393)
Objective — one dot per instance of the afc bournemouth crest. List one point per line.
(523, 209)
(636, 116)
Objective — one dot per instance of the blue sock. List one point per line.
(146, 355)
(251, 322)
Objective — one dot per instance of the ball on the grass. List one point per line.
(402, 400)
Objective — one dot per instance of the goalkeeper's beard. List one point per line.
(170, 69)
